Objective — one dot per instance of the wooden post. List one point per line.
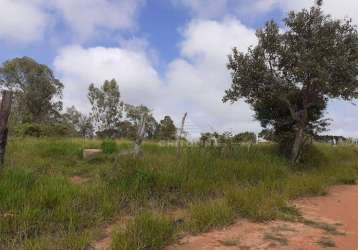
(181, 130)
(137, 151)
(5, 110)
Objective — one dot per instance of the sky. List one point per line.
(169, 55)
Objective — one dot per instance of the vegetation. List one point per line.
(107, 107)
(146, 231)
(52, 198)
(167, 129)
(227, 138)
(36, 90)
(41, 207)
(290, 76)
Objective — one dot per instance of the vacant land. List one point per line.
(327, 221)
(50, 198)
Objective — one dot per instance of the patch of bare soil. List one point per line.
(329, 222)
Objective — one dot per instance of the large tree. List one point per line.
(291, 74)
(37, 93)
(107, 106)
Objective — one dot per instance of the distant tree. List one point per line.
(204, 138)
(72, 116)
(225, 137)
(167, 129)
(37, 93)
(80, 122)
(127, 130)
(245, 137)
(289, 77)
(107, 106)
(134, 115)
(267, 134)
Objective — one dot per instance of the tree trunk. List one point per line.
(297, 145)
(4, 117)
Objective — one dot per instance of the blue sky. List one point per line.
(167, 54)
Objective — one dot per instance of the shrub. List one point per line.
(146, 232)
(109, 146)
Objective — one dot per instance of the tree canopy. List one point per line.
(167, 129)
(107, 107)
(37, 92)
(290, 75)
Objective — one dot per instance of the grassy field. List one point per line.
(41, 207)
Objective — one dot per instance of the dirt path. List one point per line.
(330, 222)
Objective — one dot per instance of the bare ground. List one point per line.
(330, 222)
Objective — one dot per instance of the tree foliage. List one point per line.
(289, 77)
(134, 115)
(81, 123)
(167, 129)
(107, 106)
(37, 92)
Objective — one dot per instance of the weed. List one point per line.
(208, 215)
(329, 228)
(146, 232)
(279, 238)
(326, 242)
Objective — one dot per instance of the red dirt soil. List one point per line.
(333, 223)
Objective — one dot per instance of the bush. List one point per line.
(44, 130)
(146, 232)
(109, 146)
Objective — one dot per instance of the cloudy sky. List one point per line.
(167, 54)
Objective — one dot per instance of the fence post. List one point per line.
(137, 151)
(5, 110)
(181, 130)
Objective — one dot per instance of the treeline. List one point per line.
(37, 108)
(215, 138)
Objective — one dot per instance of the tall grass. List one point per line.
(41, 208)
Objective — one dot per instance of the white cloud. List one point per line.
(25, 21)
(86, 17)
(22, 21)
(193, 83)
(219, 8)
(79, 67)
(345, 118)
(198, 79)
(338, 9)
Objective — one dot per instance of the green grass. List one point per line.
(208, 215)
(145, 232)
(41, 208)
